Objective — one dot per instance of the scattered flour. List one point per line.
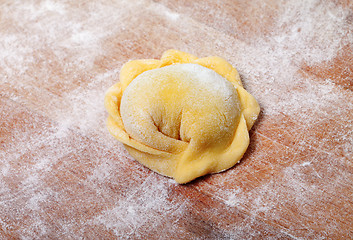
(144, 208)
(56, 171)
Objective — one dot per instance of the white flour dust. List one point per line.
(63, 176)
(144, 209)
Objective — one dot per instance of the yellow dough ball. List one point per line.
(181, 116)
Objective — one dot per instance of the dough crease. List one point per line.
(181, 116)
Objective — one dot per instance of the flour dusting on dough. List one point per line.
(63, 176)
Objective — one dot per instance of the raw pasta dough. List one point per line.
(181, 116)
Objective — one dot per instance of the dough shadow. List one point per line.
(253, 141)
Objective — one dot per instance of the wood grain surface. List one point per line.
(62, 176)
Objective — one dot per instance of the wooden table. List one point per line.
(62, 176)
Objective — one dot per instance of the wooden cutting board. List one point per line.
(63, 176)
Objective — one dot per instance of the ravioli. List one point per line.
(181, 116)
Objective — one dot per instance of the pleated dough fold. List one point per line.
(181, 116)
